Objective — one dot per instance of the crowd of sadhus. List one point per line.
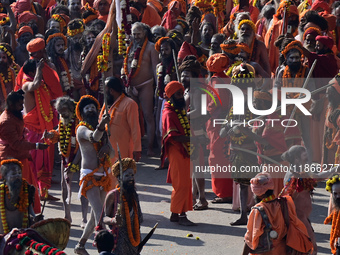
(149, 63)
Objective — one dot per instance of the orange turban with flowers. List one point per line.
(35, 45)
(217, 63)
(172, 87)
(25, 29)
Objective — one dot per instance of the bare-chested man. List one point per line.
(95, 150)
(17, 214)
(140, 75)
(75, 31)
(41, 85)
(70, 155)
(246, 34)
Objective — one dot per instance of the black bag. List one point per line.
(265, 242)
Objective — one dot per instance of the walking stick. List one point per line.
(175, 63)
(304, 86)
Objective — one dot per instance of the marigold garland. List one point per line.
(4, 21)
(121, 41)
(90, 18)
(135, 64)
(77, 107)
(102, 60)
(331, 181)
(335, 231)
(292, 45)
(183, 119)
(11, 78)
(22, 205)
(134, 236)
(61, 21)
(298, 79)
(61, 35)
(8, 53)
(297, 184)
(73, 32)
(13, 160)
(248, 22)
(42, 111)
(66, 133)
(67, 83)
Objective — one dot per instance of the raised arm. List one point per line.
(32, 86)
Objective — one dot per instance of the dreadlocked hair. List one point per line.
(191, 64)
(193, 12)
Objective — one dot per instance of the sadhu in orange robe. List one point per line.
(179, 173)
(295, 236)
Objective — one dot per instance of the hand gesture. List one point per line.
(195, 24)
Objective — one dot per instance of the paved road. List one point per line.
(215, 234)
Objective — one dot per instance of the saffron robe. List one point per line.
(297, 236)
(151, 16)
(124, 128)
(179, 173)
(221, 182)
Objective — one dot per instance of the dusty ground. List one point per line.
(215, 234)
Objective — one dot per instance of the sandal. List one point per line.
(220, 200)
(200, 207)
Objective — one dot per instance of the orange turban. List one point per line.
(25, 29)
(134, 11)
(26, 17)
(331, 20)
(35, 45)
(172, 87)
(291, 7)
(320, 5)
(261, 183)
(96, 3)
(217, 63)
(159, 43)
(312, 31)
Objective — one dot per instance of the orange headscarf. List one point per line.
(25, 29)
(217, 63)
(35, 45)
(172, 87)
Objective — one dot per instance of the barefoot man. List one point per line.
(140, 60)
(95, 150)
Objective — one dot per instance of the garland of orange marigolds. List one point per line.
(102, 60)
(134, 236)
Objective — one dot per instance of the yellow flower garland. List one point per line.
(46, 118)
(22, 206)
(102, 60)
(331, 181)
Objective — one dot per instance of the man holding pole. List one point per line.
(129, 216)
(293, 74)
(96, 152)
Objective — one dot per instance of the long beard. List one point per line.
(3, 67)
(336, 202)
(179, 103)
(246, 39)
(77, 46)
(206, 40)
(166, 60)
(129, 192)
(295, 67)
(17, 114)
(14, 190)
(110, 99)
(92, 119)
